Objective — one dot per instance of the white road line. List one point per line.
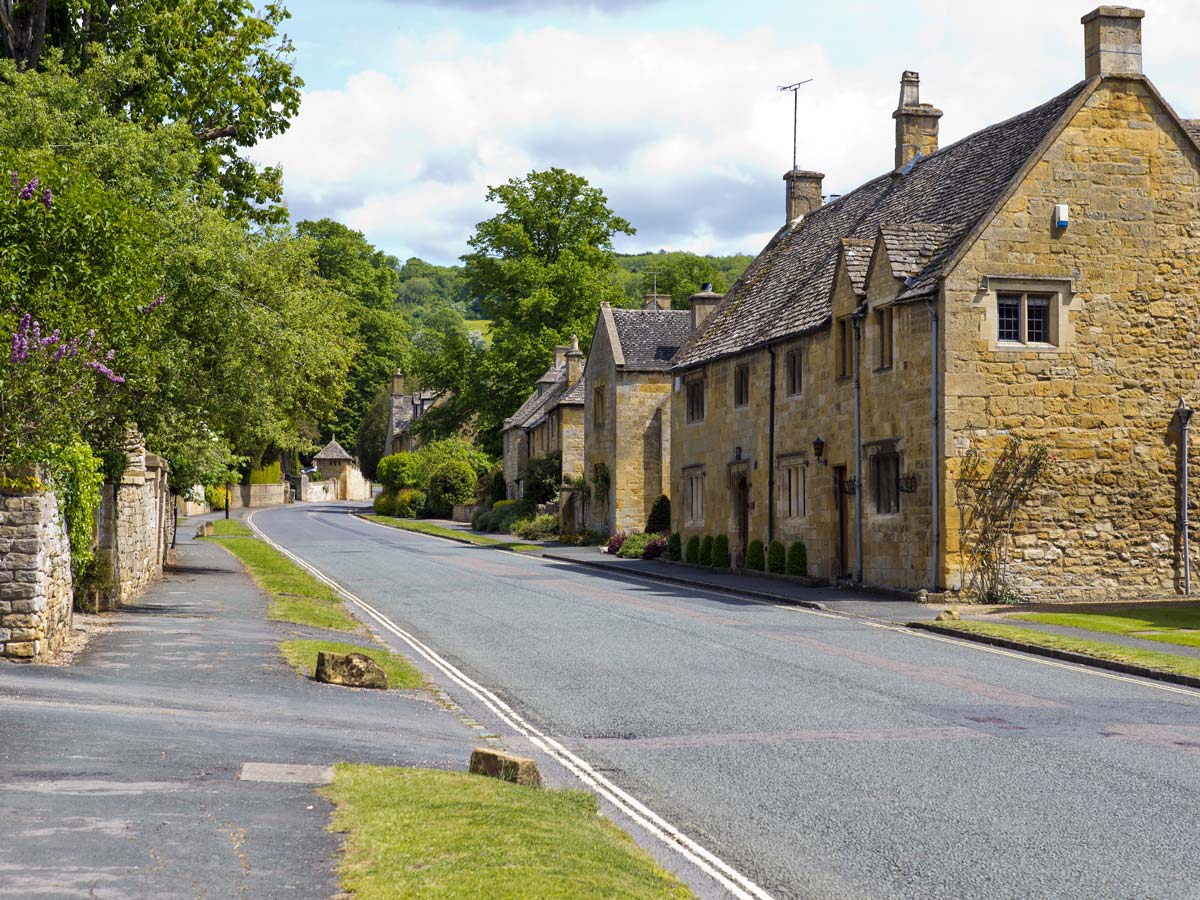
(1078, 668)
(732, 880)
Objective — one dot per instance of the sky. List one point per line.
(412, 109)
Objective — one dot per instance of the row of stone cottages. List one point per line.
(1035, 282)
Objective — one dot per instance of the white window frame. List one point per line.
(793, 488)
(694, 485)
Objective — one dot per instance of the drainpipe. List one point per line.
(771, 455)
(1185, 416)
(935, 483)
(858, 479)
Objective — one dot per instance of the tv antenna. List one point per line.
(795, 89)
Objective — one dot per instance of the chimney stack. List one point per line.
(1112, 41)
(560, 356)
(656, 301)
(574, 361)
(916, 122)
(803, 193)
(398, 382)
(703, 303)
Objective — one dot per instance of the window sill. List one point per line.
(879, 369)
(1019, 347)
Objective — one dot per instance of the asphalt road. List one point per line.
(822, 756)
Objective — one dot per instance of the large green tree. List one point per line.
(540, 268)
(367, 281)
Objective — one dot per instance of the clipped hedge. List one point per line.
(776, 558)
(706, 551)
(755, 557)
(634, 545)
(674, 547)
(691, 553)
(720, 552)
(797, 559)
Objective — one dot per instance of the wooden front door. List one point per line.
(743, 518)
(842, 500)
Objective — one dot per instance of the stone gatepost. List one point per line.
(36, 599)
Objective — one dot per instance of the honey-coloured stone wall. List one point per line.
(36, 600)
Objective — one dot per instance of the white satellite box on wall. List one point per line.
(1062, 215)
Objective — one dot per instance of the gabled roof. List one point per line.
(787, 289)
(650, 338)
(857, 253)
(334, 452)
(535, 400)
(910, 246)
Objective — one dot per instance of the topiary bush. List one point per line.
(756, 559)
(776, 558)
(452, 482)
(385, 503)
(720, 552)
(633, 546)
(706, 550)
(674, 547)
(691, 553)
(399, 470)
(655, 547)
(615, 542)
(409, 503)
(659, 521)
(797, 559)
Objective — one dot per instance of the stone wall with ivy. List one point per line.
(35, 575)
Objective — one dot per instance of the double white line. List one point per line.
(737, 884)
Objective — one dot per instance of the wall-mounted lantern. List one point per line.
(818, 450)
(908, 483)
(850, 486)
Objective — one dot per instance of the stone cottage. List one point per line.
(338, 467)
(549, 421)
(1037, 279)
(406, 407)
(627, 411)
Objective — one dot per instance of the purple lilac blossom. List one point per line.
(47, 198)
(16, 181)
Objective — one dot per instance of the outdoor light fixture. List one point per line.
(850, 486)
(818, 450)
(908, 483)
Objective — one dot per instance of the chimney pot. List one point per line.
(1112, 41)
(574, 361)
(916, 122)
(803, 193)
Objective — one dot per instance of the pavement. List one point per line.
(121, 773)
(820, 754)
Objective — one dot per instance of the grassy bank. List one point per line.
(415, 833)
(302, 655)
(295, 595)
(466, 537)
(1172, 624)
(1150, 659)
(231, 528)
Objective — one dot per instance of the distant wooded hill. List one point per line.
(425, 287)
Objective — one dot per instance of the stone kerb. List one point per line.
(36, 599)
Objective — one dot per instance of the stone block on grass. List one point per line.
(505, 766)
(350, 670)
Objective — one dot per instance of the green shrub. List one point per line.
(410, 503)
(385, 503)
(634, 546)
(215, 496)
(797, 559)
(776, 557)
(477, 518)
(659, 521)
(691, 553)
(538, 528)
(756, 559)
(720, 552)
(706, 551)
(506, 514)
(451, 483)
(399, 470)
(543, 478)
(501, 504)
(674, 547)
(269, 474)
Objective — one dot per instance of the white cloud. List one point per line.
(683, 130)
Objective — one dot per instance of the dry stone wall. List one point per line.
(35, 576)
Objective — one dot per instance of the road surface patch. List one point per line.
(286, 773)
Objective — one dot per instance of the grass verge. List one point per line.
(1174, 624)
(453, 534)
(416, 833)
(302, 655)
(231, 528)
(1149, 659)
(295, 595)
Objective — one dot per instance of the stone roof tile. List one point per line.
(650, 338)
(786, 290)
